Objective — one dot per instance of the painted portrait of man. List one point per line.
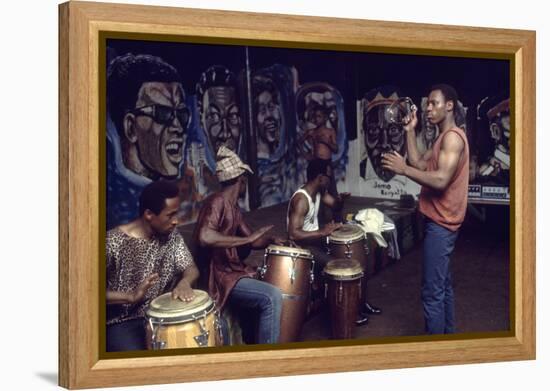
(272, 94)
(219, 108)
(146, 102)
(268, 116)
(381, 136)
(494, 115)
(147, 123)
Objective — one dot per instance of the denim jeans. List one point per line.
(128, 335)
(437, 289)
(251, 294)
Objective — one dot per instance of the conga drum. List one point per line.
(343, 294)
(349, 241)
(291, 270)
(174, 324)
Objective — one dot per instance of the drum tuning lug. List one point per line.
(202, 338)
(156, 344)
(262, 270)
(326, 290)
(292, 270)
(218, 325)
(348, 251)
(367, 250)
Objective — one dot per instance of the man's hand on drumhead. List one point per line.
(183, 291)
(280, 241)
(331, 227)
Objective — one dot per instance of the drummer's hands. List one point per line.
(330, 228)
(139, 293)
(259, 233)
(280, 241)
(183, 291)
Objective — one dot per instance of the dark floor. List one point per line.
(480, 268)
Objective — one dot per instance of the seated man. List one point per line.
(302, 221)
(221, 233)
(144, 257)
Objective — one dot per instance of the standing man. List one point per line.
(443, 173)
(222, 233)
(144, 258)
(323, 142)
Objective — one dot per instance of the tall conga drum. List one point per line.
(291, 270)
(174, 324)
(343, 293)
(349, 241)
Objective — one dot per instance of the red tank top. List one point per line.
(447, 207)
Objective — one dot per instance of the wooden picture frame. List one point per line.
(80, 245)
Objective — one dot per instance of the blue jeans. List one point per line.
(267, 299)
(437, 289)
(128, 335)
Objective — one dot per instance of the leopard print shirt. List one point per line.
(130, 260)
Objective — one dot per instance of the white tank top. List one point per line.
(310, 220)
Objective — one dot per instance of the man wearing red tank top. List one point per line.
(443, 173)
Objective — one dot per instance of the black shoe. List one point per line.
(372, 310)
(361, 319)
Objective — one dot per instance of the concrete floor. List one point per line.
(480, 268)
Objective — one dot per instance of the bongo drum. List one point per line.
(291, 270)
(177, 324)
(349, 241)
(343, 293)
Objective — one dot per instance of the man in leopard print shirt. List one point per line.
(144, 257)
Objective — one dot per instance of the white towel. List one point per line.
(372, 222)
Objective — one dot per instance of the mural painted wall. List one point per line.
(170, 106)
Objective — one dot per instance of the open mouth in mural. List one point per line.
(271, 127)
(174, 150)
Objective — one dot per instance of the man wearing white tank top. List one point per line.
(302, 220)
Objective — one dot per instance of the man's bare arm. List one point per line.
(415, 158)
(298, 210)
(209, 237)
(452, 147)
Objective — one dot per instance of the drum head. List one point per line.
(347, 233)
(168, 309)
(288, 251)
(343, 269)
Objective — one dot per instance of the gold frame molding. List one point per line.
(80, 27)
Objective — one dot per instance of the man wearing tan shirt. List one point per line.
(443, 173)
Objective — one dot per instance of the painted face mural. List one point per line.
(380, 135)
(146, 101)
(219, 107)
(268, 116)
(159, 120)
(325, 99)
(494, 112)
(500, 125)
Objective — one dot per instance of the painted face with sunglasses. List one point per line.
(156, 129)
